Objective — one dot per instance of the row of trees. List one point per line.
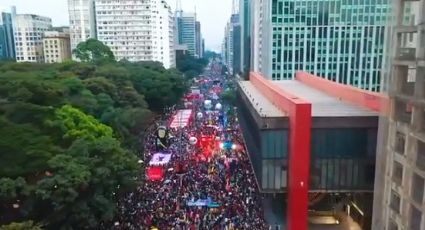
(70, 133)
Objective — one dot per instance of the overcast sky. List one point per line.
(213, 14)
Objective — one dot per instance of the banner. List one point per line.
(160, 159)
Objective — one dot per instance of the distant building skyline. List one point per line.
(207, 11)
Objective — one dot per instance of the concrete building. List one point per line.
(29, 30)
(82, 21)
(399, 182)
(186, 27)
(137, 30)
(341, 40)
(232, 44)
(56, 46)
(198, 39)
(7, 43)
(163, 34)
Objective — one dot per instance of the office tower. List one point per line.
(232, 45)
(56, 46)
(7, 43)
(198, 38)
(137, 30)
(29, 29)
(186, 27)
(203, 48)
(82, 21)
(163, 34)
(339, 40)
(245, 23)
(399, 182)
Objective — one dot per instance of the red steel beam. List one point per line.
(374, 101)
(299, 112)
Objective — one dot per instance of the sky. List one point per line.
(213, 14)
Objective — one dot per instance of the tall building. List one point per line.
(198, 39)
(82, 21)
(342, 40)
(245, 22)
(137, 30)
(399, 182)
(56, 46)
(186, 27)
(232, 44)
(29, 30)
(7, 43)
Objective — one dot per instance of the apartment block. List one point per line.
(56, 46)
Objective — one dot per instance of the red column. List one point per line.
(299, 167)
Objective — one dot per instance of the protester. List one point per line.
(204, 186)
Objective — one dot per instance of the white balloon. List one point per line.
(193, 140)
(218, 106)
(199, 115)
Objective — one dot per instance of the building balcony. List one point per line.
(405, 56)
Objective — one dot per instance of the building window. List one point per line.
(417, 189)
(420, 157)
(400, 140)
(395, 202)
(397, 173)
(415, 218)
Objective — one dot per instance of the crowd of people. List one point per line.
(223, 178)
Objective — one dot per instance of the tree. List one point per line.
(27, 225)
(93, 51)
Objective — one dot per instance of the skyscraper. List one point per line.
(7, 43)
(245, 23)
(137, 30)
(198, 39)
(186, 27)
(232, 45)
(29, 30)
(82, 21)
(400, 169)
(340, 40)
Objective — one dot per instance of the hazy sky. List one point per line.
(213, 14)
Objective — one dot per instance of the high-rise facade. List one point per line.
(82, 21)
(56, 46)
(136, 30)
(28, 32)
(232, 44)
(7, 43)
(245, 24)
(342, 40)
(400, 174)
(198, 38)
(186, 27)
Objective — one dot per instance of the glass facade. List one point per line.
(342, 40)
(341, 158)
(7, 44)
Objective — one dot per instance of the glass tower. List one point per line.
(341, 40)
(7, 43)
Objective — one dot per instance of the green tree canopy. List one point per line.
(93, 51)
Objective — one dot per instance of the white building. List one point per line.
(136, 30)
(29, 29)
(163, 34)
(82, 23)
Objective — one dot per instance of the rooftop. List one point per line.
(323, 105)
(261, 104)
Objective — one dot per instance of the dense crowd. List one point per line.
(224, 177)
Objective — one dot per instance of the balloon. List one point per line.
(207, 104)
(218, 106)
(193, 140)
(199, 115)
